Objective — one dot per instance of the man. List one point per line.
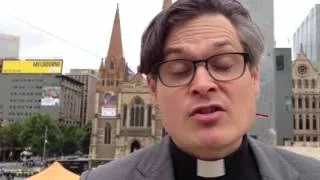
(201, 58)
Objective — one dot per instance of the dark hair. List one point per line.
(154, 37)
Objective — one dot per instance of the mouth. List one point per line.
(205, 110)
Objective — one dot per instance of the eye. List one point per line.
(178, 67)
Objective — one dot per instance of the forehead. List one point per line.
(211, 32)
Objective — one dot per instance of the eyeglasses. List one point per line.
(221, 67)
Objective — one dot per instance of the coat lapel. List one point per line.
(271, 165)
(157, 163)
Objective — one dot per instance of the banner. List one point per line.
(32, 66)
(50, 96)
(109, 103)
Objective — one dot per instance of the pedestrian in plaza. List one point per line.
(201, 58)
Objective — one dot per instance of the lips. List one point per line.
(207, 113)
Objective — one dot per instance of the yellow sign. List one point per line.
(32, 66)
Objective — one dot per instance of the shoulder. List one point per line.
(280, 157)
(118, 169)
(301, 163)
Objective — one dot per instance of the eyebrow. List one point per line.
(179, 50)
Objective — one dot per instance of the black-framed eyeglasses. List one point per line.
(221, 67)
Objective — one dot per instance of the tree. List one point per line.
(71, 142)
(85, 140)
(34, 132)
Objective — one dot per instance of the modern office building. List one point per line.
(9, 46)
(283, 94)
(308, 35)
(89, 78)
(262, 13)
(37, 86)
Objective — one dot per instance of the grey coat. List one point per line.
(154, 163)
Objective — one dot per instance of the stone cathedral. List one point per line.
(126, 116)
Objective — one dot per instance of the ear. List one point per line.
(255, 74)
(152, 83)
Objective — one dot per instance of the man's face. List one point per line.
(206, 115)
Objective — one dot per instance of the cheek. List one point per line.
(170, 101)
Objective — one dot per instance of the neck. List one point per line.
(213, 154)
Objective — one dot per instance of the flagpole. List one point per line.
(44, 144)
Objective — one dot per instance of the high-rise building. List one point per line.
(31, 87)
(9, 46)
(308, 35)
(262, 13)
(283, 93)
(89, 78)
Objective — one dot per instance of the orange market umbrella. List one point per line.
(55, 172)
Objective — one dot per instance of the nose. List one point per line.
(202, 83)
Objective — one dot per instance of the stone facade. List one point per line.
(305, 100)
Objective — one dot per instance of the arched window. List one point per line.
(149, 115)
(135, 145)
(107, 134)
(314, 123)
(137, 112)
(111, 65)
(299, 102)
(294, 121)
(307, 122)
(300, 122)
(124, 115)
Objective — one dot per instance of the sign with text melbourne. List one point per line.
(47, 66)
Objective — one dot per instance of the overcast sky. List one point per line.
(79, 30)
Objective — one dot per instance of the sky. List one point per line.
(79, 30)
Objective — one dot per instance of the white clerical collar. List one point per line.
(210, 169)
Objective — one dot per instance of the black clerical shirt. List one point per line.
(239, 165)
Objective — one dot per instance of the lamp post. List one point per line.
(44, 144)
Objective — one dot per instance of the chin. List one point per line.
(213, 138)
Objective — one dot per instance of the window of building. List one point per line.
(313, 84)
(306, 102)
(308, 138)
(313, 103)
(293, 102)
(314, 123)
(280, 63)
(107, 134)
(111, 65)
(300, 138)
(315, 139)
(299, 83)
(306, 83)
(137, 112)
(299, 102)
(307, 122)
(124, 115)
(294, 121)
(149, 115)
(300, 122)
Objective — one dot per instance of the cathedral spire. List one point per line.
(115, 46)
(166, 4)
(102, 64)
